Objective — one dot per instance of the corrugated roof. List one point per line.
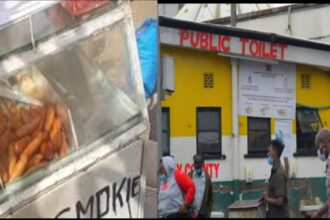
(206, 12)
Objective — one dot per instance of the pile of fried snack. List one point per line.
(30, 137)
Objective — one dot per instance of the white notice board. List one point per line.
(267, 90)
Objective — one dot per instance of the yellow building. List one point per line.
(205, 111)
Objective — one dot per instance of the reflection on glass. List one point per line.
(208, 141)
(86, 91)
(52, 20)
(208, 120)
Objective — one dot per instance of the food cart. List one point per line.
(73, 118)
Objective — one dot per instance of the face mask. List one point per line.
(321, 156)
(199, 171)
(270, 160)
(163, 178)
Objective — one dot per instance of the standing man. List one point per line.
(322, 143)
(276, 195)
(203, 202)
(176, 190)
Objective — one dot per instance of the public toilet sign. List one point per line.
(243, 47)
(223, 43)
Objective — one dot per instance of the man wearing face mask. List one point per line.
(322, 142)
(276, 195)
(176, 190)
(203, 201)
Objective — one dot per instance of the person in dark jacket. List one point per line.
(275, 197)
(203, 201)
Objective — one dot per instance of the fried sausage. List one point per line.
(64, 147)
(14, 123)
(55, 129)
(56, 143)
(40, 126)
(43, 148)
(6, 138)
(12, 108)
(42, 120)
(24, 115)
(36, 160)
(4, 175)
(12, 160)
(21, 144)
(47, 150)
(19, 168)
(28, 128)
(50, 116)
(33, 146)
(3, 123)
(35, 112)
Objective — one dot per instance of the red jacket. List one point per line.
(186, 184)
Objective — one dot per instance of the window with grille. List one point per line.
(209, 132)
(306, 81)
(308, 124)
(208, 80)
(259, 136)
(165, 139)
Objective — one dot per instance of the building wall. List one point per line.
(193, 93)
(189, 94)
(143, 9)
(319, 94)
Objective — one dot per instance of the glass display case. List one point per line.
(70, 84)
